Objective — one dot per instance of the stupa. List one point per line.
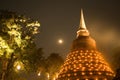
(85, 62)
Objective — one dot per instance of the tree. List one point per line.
(53, 64)
(36, 60)
(16, 40)
(37, 64)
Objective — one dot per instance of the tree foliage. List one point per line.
(16, 38)
(53, 64)
(36, 60)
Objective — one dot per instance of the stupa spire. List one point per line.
(82, 21)
(82, 27)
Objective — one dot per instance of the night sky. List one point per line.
(60, 19)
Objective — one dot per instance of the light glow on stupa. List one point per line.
(85, 62)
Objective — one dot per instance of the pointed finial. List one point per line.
(82, 22)
(82, 27)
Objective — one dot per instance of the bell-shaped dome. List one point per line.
(83, 42)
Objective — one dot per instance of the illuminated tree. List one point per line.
(16, 38)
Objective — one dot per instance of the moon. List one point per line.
(60, 41)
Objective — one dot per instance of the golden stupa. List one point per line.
(85, 62)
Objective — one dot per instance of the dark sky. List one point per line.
(60, 19)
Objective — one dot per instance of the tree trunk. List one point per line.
(7, 66)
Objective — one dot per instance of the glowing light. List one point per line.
(18, 67)
(86, 79)
(53, 78)
(83, 73)
(99, 73)
(68, 74)
(96, 79)
(48, 75)
(60, 41)
(39, 73)
(91, 73)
